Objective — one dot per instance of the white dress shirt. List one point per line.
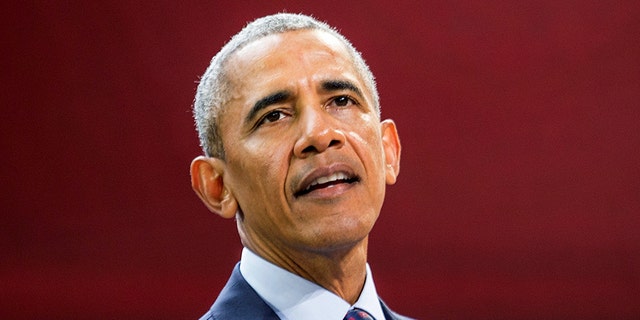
(293, 297)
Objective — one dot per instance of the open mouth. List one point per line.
(327, 181)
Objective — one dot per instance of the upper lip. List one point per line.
(326, 174)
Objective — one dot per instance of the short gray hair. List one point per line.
(214, 87)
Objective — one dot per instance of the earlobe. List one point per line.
(391, 145)
(208, 183)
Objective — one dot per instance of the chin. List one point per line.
(338, 238)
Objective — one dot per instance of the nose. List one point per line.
(318, 133)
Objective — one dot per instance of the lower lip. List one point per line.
(329, 192)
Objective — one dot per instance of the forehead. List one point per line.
(287, 41)
(288, 52)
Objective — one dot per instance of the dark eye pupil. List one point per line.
(342, 101)
(272, 116)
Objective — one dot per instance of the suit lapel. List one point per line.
(238, 300)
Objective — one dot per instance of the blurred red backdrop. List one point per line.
(518, 198)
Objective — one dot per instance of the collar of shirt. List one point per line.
(293, 297)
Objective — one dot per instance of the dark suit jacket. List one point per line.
(238, 301)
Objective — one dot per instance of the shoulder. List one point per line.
(238, 300)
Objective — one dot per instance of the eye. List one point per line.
(272, 116)
(343, 101)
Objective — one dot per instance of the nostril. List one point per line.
(334, 143)
(309, 149)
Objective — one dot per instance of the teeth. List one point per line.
(334, 177)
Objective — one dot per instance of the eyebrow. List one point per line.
(274, 98)
(337, 85)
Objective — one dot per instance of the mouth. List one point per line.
(326, 181)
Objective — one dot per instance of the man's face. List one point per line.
(307, 158)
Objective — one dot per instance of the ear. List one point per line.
(208, 183)
(391, 146)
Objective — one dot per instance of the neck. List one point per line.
(341, 271)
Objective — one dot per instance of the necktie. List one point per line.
(358, 314)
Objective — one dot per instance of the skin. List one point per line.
(300, 111)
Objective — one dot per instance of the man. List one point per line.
(288, 117)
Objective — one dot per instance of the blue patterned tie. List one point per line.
(358, 314)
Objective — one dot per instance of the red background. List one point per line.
(518, 198)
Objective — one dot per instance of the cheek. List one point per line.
(369, 149)
(268, 158)
(259, 174)
(368, 144)
(261, 168)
